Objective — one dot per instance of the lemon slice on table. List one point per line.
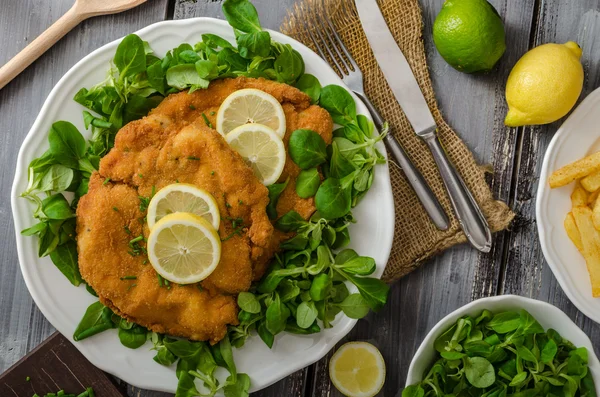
(183, 197)
(184, 248)
(357, 369)
(250, 106)
(261, 148)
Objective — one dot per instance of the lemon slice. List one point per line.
(183, 197)
(357, 369)
(250, 106)
(261, 148)
(184, 248)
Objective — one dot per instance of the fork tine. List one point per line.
(341, 70)
(315, 41)
(317, 44)
(341, 44)
(332, 42)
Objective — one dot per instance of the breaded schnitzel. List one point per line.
(104, 259)
(176, 143)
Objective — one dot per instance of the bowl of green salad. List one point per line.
(505, 346)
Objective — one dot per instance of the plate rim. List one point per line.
(545, 228)
(332, 339)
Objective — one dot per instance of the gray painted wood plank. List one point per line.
(22, 326)
(526, 272)
(271, 12)
(474, 106)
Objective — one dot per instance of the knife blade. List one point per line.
(404, 86)
(395, 67)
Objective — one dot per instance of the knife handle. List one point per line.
(469, 215)
(430, 203)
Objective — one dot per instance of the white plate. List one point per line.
(63, 305)
(547, 315)
(573, 140)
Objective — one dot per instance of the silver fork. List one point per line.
(331, 43)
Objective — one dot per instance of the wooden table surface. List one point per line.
(473, 105)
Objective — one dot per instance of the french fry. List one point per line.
(579, 196)
(577, 170)
(592, 198)
(590, 240)
(591, 183)
(596, 215)
(573, 232)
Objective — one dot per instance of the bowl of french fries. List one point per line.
(568, 206)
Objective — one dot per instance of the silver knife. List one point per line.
(402, 81)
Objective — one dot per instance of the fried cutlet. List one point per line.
(176, 143)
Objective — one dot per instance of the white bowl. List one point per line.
(576, 138)
(63, 305)
(547, 315)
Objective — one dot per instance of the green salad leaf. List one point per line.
(504, 354)
(307, 284)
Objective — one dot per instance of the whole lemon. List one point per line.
(469, 35)
(544, 84)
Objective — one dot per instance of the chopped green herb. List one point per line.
(115, 209)
(106, 181)
(135, 248)
(163, 282)
(126, 228)
(207, 121)
(227, 205)
(89, 392)
(212, 172)
(193, 158)
(237, 224)
(240, 202)
(27, 379)
(192, 107)
(131, 286)
(128, 278)
(212, 113)
(199, 287)
(145, 201)
(140, 175)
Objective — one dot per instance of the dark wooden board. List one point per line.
(52, 366)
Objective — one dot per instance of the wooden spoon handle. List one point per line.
(40, 45)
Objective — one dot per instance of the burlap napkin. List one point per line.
(415, 237)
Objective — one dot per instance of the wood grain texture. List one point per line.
(52, 366)
(526, 272)
(22, 326)
(473, 105)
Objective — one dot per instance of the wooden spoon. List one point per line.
(81, 10)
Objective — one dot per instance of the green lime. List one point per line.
(469, 35)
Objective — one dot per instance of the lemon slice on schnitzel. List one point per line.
(261, 148)
(357, 369)
(183, 197)
(250, 106)
(184, 248)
